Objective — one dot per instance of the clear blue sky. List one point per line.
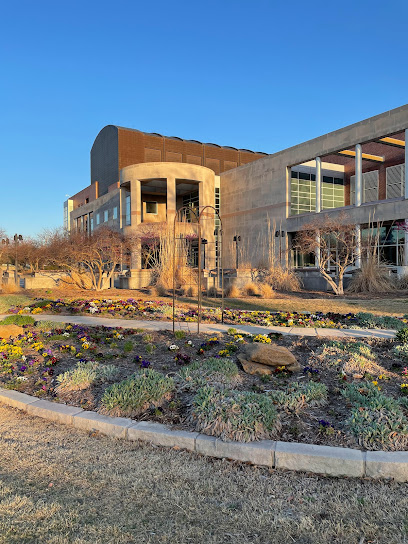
(254, 74)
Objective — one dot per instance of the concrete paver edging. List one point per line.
(325, 460)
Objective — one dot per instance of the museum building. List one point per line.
(358, 171)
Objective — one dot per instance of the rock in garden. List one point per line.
(269, 355)
(7, 331)
(256, 368)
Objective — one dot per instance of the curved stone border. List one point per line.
(326, 460)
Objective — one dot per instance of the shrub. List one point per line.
(351, 358)
(214, 371)
(189, 290)
(85, 375)
(10, 288)
(18, 320)
(179, 334)
(280, 279)
(145, 389)
(366, 320)
(402, 335)
(41, 303)
(266, 290)
(50, 325)
(298, 395)
(371, 278)
(147, 338)
(371, 321)
(234, 415)
(377, 421)
(232, 291)
(250, 289)
(401, 351)
(402, 282)
(161, 290)
(212, 292)
(128, 346)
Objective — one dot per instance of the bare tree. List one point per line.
(334, 243)
(89, 260)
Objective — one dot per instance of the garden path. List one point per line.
(213, 328)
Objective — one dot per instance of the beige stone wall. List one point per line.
(258, 193)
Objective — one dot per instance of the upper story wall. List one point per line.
(105, 158)
(116, 148)
(258, 194)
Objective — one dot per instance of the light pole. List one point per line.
(280, 234)
(17, 238)
(204, 242)
(5, 242)
(236, 239)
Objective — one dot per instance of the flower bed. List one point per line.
(348, 394)
(141, 309)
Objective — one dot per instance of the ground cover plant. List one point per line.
(196, 382)
(147, 309)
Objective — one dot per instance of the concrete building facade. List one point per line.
(359, 170)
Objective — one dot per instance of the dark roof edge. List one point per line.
(188, 140)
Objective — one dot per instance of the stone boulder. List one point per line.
(264, 358)
(8, 331)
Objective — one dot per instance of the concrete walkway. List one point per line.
(214, 327)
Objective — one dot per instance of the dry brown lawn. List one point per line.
(59, 485)
(286, 302)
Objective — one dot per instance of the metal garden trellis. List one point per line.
(195, 217)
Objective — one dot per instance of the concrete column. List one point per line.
(206, 197)
(122, 208)
(171, 199)
(135, 219)
(135, 202)
(318, 184)
(358, 247)
(359, 174)
(136, 257)
(406, 163)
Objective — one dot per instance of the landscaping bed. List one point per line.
(350, 394)
(149, 309)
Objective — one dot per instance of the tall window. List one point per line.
(106, 215)
(115, 212)
(388, 242)
(395, 181)
(98, 218)
(191, 200)
(303, 192)
(128, 211)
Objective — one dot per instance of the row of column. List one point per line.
(359, 197)
(136, 202)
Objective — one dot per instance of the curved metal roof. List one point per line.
(186, 140)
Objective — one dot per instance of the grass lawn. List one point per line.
(386, 305)
(59, 485)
